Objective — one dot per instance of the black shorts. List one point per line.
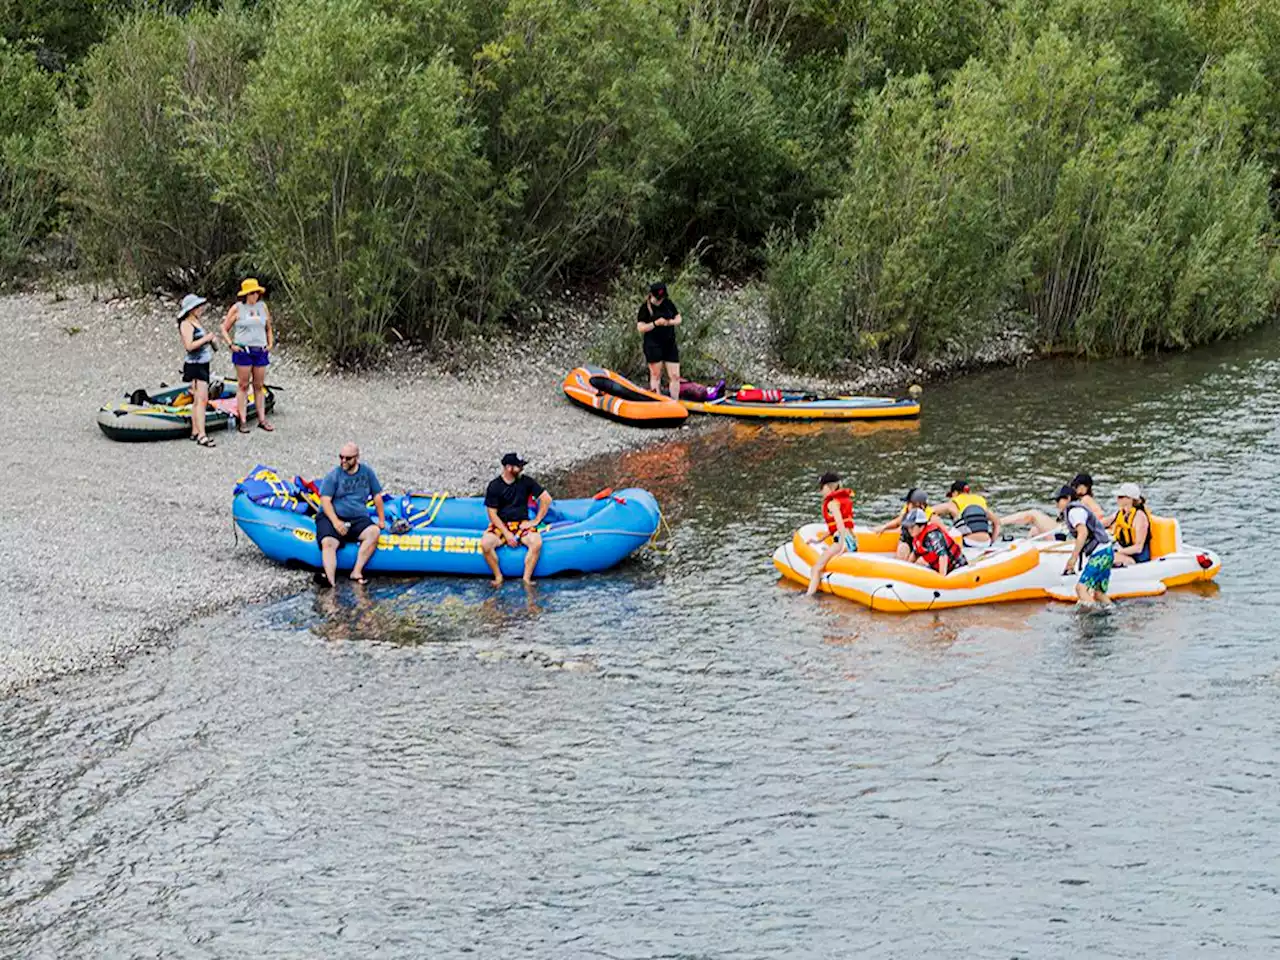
(324, 529)
(661, 352)
(192, 372)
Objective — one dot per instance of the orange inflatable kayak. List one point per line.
(612, 395)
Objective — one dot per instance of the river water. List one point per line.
(686, 758)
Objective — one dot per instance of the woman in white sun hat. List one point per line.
(1130, 526)
(199, 345)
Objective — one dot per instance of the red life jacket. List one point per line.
(843, 502)
(955, 558)
(756, 395)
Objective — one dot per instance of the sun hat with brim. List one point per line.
(1130, 490)
(189, 303)
(249, 286)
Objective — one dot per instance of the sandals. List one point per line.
(321, 580)
(266, 426)
(242, 428)
(203, 440)
(360, 580)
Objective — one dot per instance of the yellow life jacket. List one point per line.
(965, 500)
(1122, 529)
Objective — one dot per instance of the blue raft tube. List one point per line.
(578, 536)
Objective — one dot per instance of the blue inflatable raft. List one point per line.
(578, 536)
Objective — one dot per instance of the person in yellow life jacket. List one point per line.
(975, 524)
(915, 499)
(1130, 525)
(932, 546)
(837, 511)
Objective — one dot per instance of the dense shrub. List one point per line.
(143, 210)
(28, 156)
(574, 102)
(1029, 185)
(353, 166)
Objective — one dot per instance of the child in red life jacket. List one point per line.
(837, 510)
(932, 546)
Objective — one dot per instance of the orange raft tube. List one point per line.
(611, 395)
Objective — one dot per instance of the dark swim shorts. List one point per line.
(658, 352)
(325, 530)
(191, 372)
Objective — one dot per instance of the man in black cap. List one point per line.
(657, 321)
(507, 501)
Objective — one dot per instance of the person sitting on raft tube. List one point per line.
(975, 524)
(657, 321)
(507, 502)
(915, 498)
(1093, 548)
(932, 546)
(837, 511)
(1130, 526)
(1082, 484)
(199, 345)
(248, 332)
(345, 493)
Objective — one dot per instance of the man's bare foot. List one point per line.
(528, 581)
(497, 582)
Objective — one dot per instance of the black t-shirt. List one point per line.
(667, 310)
(511, 500)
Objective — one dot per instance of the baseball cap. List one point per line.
(658, 289)
(828, 478)
(914, 517)
(1065, 493)
(1130, 490)
(512, 460)
(916, 495)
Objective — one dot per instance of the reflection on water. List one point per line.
(686, 757)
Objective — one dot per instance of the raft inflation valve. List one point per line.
(1204, 560)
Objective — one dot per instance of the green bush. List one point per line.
(1029, 185)
(353, 166)
(573, 102)
(28, 157)
(910, 256)
(143, 211)
(756, 151)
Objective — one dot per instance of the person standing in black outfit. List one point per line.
(657, 321)
(507, 502)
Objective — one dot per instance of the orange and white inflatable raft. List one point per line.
(611, 395)
(1030, 569)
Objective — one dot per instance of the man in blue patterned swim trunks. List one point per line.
(1092, 545)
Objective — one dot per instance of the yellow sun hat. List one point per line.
(251, 285)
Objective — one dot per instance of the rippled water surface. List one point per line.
(686, 758)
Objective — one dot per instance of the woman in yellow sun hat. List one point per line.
(247, 330)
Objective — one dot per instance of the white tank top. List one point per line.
(250, 329)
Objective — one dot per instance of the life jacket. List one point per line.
(1097, 534)
(841, 500)
(756, 395)
(955, 557)
(972, 510)
(1123, 531)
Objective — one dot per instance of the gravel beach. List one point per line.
(103, 540)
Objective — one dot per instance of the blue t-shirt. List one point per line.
(351, 492)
